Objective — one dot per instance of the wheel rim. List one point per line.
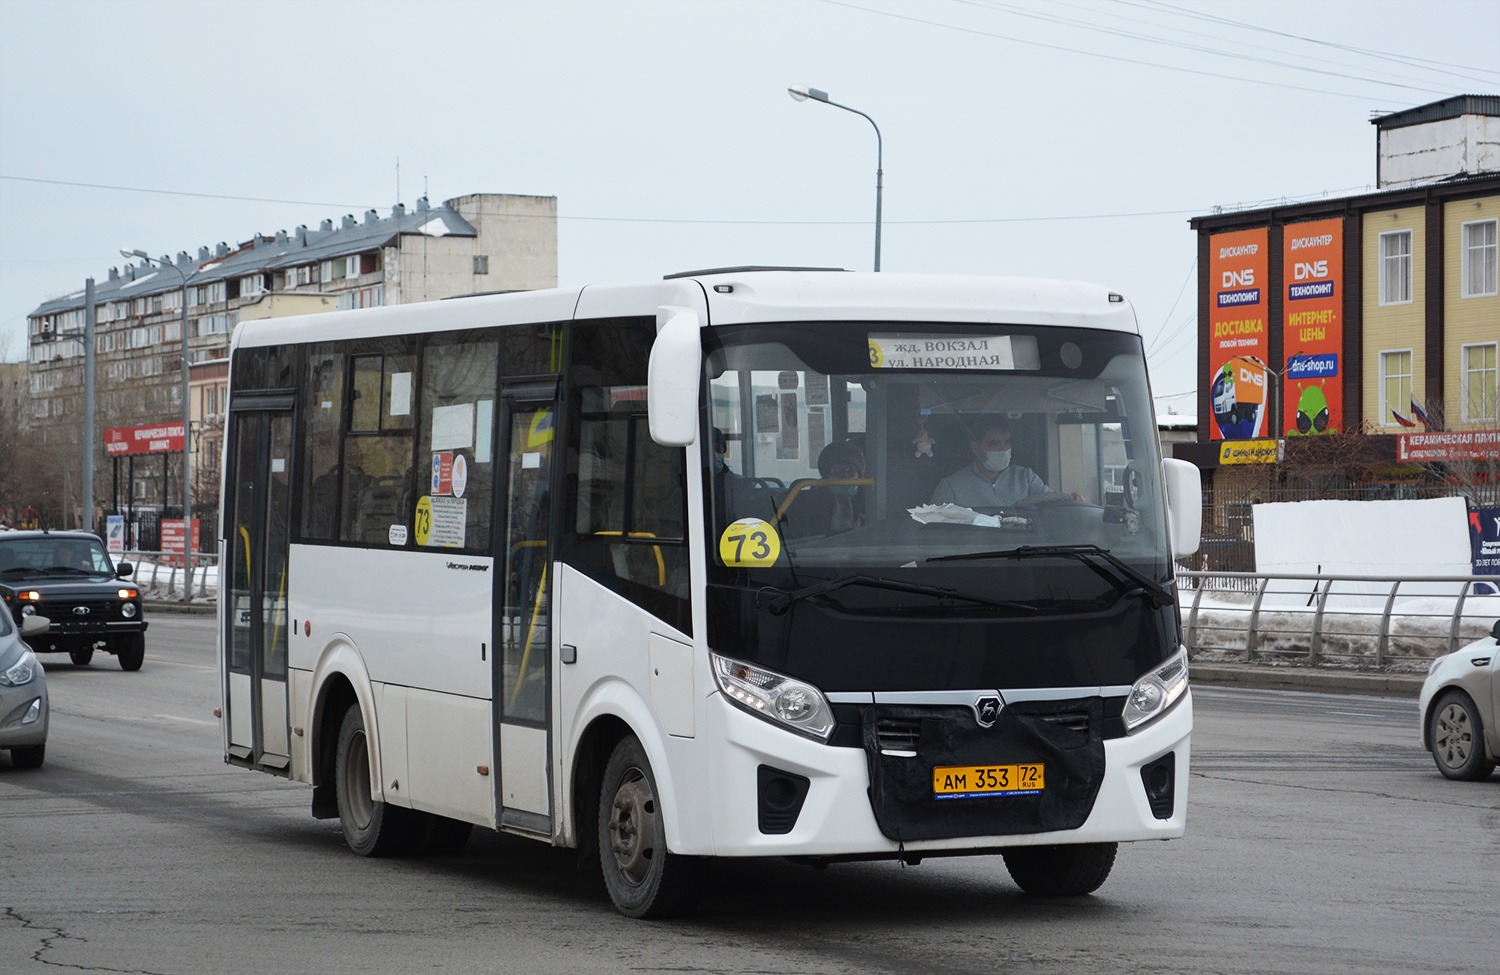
(1453, 742)
(357, 781)
(632, 826)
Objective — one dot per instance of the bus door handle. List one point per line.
(569, 653)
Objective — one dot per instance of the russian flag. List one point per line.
(1401, 419)
(1417, 410)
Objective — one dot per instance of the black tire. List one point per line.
(31, 756)
(645, 880)
(371, 828)
(132, 651)
(1061, 871)
(81, 656)
(1457, 735)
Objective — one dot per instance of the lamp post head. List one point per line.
(801, 93)
(126, 252)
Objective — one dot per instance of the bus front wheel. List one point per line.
(644, 879)
(1069, 870)
(371, 827)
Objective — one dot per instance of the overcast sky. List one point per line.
(1052, 138)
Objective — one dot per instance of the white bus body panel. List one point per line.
(612, 677)
(448, 738)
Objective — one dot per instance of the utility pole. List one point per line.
(89, 321)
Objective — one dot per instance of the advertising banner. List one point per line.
(1456, 445)
(1238, 307)
(156, 438)
(1249, 452)
(1484, 544)
(1312, 262)
(171, 540)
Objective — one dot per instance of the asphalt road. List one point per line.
(1320, 839)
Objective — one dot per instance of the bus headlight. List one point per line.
(1155, 693)
(21, 672)
(779, 699)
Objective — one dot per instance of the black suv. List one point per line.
(68, 577)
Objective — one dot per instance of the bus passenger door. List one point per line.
(523, 612)
(255, 576)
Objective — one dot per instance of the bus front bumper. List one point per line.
(836, 820)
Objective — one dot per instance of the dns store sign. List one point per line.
(162, 438)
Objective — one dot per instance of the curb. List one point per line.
(176, 608)
(1307, 679)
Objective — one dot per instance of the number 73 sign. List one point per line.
(749, 541)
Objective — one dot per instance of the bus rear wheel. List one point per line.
(1061, 871)
(645, 880)
(371, 828)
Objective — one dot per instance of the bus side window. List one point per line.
(456, 438)
(322, 396)
(626, 509)
(377, 451)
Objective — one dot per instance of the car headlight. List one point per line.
(1155, 693)
(780, 699)
(128, 610)
(28, 610)
(21, 672)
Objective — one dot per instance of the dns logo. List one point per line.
(1305, 270)
(1239, 279)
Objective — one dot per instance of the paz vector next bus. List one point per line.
(741, 563)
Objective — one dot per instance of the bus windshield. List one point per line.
(888, 445)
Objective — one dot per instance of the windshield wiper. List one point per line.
(781, 601)
(68, 570)
(1087, 554)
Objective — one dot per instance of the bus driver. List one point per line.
(991, 481)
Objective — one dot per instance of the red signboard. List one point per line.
(1459, 445)
(1239, 343)
(159, 438)
(1313, 332)
(171, 540)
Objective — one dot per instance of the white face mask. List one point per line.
(997, 460)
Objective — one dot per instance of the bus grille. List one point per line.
(898, 734)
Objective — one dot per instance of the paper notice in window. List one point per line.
(400, 394)
(453, 427)
(446, 527)
(484, 421)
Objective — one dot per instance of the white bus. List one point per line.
(740, 563)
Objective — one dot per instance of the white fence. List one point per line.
(1399, 622)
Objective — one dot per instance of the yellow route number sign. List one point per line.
(749, 541)
(424, 520)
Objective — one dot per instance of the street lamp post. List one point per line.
(802, 93)
(187, 439)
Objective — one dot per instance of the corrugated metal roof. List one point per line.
(262, 253)
(1437, 111)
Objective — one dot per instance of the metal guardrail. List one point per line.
(1362, 641)
(157, 579)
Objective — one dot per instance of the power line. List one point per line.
(1095, 54)
(1368, 52)
(1240, 42)
(666, 220)
(1168, 316)
(1185, 45)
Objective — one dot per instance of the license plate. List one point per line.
(974, 781)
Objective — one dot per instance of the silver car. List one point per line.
(1460, 706)
(23, 693)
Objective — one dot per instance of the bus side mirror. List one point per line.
(1184, 505)
(672, 377)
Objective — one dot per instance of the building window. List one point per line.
(1395, 268)
(1481, 378)
(481, 264)
(1480, 251)
(1395, 387)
